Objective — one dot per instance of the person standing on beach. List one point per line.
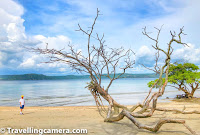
(22, 103)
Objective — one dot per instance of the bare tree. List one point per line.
(102, 61)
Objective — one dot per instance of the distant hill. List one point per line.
(44, 77)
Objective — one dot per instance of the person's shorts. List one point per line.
(22, 107)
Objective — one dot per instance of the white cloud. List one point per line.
(62, 69)
(58, 42)
(11, 24)
(28, 63)
(145, 56)
(13, 35)
(11, 7)
(188, 54)
(144, 51)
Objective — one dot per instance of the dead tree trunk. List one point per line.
(103, 62)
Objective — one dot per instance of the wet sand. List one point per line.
(87, 117)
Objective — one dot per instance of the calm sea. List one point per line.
(73, 92)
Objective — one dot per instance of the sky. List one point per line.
(33, 23)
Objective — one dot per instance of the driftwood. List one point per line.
(102, 61)
(178, 111)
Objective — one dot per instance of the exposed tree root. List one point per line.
(157, 125)
(153, 128)
(135, 107)
(178, 111)
(192, 131)
(165, 109)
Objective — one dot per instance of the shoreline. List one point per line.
(87, 117)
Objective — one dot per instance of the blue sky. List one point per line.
(35, 22)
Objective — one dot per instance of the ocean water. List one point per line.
(73, 92)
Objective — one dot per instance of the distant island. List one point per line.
(44, 77)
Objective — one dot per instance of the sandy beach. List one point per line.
(87, 117)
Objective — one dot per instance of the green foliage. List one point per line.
(151, 83)
(180, 74)
(184, 73)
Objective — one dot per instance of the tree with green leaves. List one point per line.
(184, 77)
